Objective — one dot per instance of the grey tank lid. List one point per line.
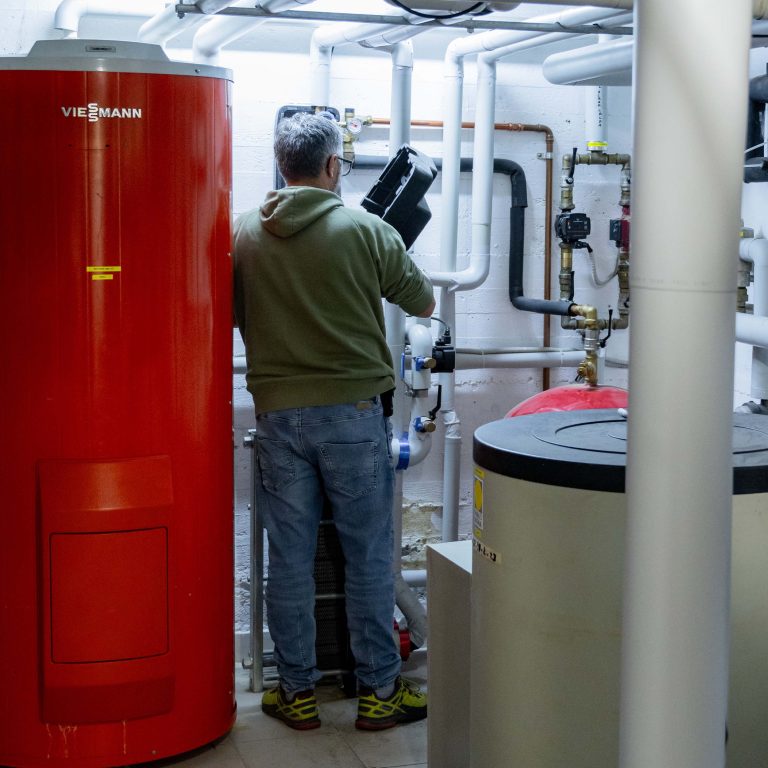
(587, 450)
(106, 56)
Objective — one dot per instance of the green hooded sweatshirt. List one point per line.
(309, 278)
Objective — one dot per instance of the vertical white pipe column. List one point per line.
(689, 118)
(595, 117)
(400, 99)
(394, 317)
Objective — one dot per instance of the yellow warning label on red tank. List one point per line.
(486, 551)
(103, 269)
(477, 503)
(102, 277)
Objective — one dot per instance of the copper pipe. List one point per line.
(549, 138)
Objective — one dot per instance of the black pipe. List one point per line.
(755, 161)
(518, 204)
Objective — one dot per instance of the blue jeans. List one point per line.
(340, 452)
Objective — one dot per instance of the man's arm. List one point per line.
(428, 311)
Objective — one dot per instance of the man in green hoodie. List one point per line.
(310, 275)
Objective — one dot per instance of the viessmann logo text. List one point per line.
(94, 112)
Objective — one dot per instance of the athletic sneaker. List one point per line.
(406, 705)
(300, 712)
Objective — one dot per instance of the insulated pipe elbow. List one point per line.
(754, 250)
(401, 54)
(68, 15)
(70, 12)
(213, 36)
(325, 39)
(466, 280)
(412, 609)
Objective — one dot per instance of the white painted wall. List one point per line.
(270, 68)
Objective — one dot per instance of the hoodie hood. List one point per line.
(291, 209)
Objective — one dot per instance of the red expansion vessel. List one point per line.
(116, 604)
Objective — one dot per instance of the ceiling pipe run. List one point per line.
(679, 465)
(70, 12)
(605, 63)
(759, 7)
(166, 24)
(218, 32)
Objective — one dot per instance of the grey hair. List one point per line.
(303, 144)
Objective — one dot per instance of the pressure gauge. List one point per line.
(354, 125)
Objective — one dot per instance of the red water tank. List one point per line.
(116, 608)
(572, 397)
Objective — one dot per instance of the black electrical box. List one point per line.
(397, 197)
(572, 227)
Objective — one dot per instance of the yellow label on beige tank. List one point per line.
(477, 503)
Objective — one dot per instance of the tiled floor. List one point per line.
(257, 741)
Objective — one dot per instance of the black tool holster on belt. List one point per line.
(386, 402)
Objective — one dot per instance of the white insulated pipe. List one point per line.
(679, 470)
(490, 45)
(591, 63)
(325, 39)
(595, 112)
(755, 250)
(321, 45)
(400, 98)
(164, 25)
(752, 330)
(563, 358)
(626, 5)
(221, 30)
(70, 12)
(453, 82)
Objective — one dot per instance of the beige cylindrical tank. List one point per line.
(549, 523)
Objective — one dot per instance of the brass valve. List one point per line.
(425, 425)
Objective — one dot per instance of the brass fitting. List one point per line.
(587, 369)
(566, 271)
(588, 312)
(566, 184)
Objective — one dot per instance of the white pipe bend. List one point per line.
(471, 277)
(221, 30)
(70, 12)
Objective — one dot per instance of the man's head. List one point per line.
(308, 151)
